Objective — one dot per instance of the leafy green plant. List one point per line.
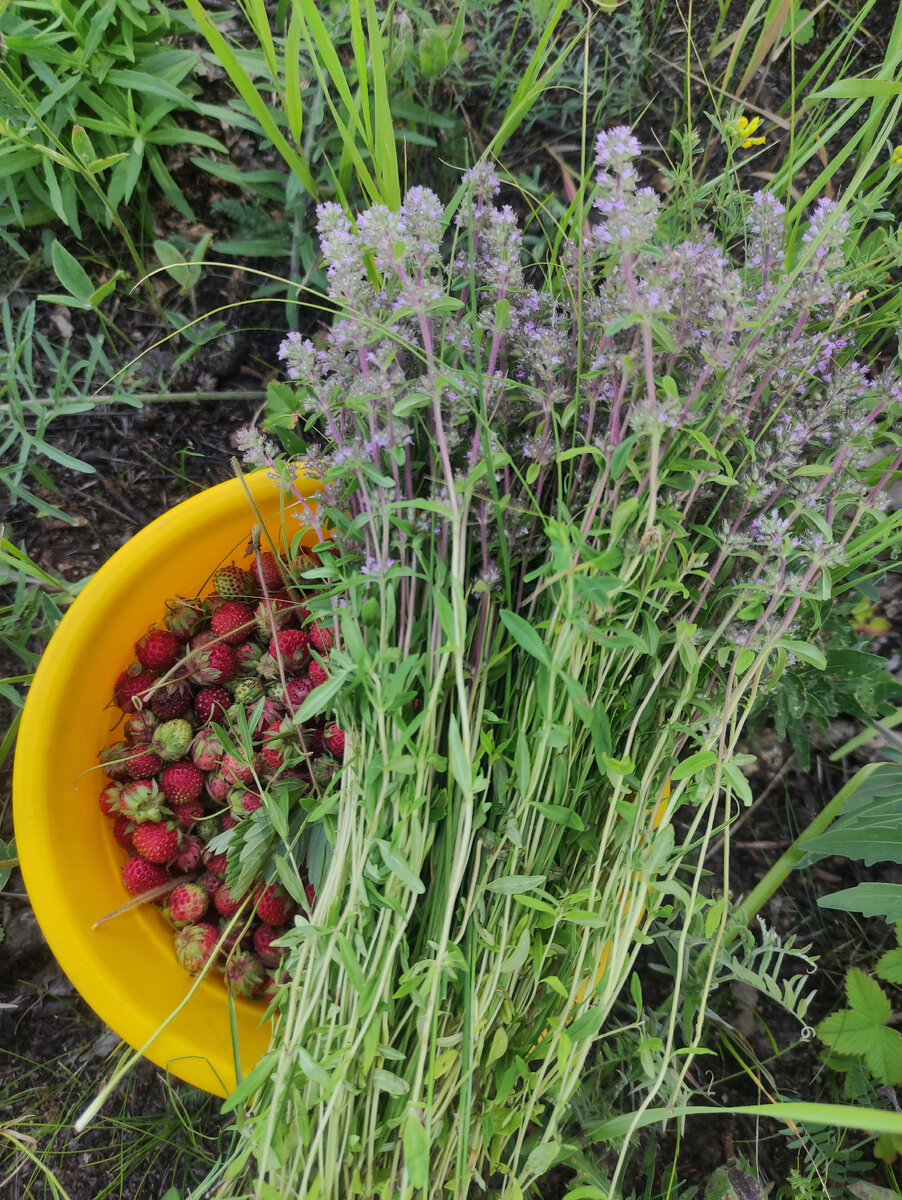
(89, 99)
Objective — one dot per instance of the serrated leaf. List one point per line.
(866, 996)
(889, 966)
(884, 1056)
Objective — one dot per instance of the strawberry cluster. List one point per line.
(248, 652)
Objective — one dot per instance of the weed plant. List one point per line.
(580, 524)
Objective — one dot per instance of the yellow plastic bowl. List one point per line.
(126, 969)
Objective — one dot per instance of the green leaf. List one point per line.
(81, 144)
(389, 1082)
(461, 768)
(804, 652)
(543, 1157)
(71, 274)
(857, 89)
(251, 1082)
(399, 866)
(694, 764)
(416, 1150)
(525, 636)
(512, 885)
(889, 966)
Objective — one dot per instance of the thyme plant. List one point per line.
(577, 524)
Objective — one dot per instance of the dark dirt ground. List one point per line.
(55, 1054)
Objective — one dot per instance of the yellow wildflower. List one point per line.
(896, 156)
(741, 129)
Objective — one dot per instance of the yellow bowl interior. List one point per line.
(126, 969)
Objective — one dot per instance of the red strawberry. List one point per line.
(195, 945)
(186, 903)
(139, 875)
(226, 904)
(310, 893)
(211, 704)
(264, 936)
(247, 656)
(233, 582)
(317, 674)
(210, 661)
(187, 814)
(267, 569)
(156, 841)
(170, 700)
(139, 726)
(114, 760)
(290, 645)
(274, 905)
(206, 750)
(217, 786)
(122, 832)
(109, 799)
(297, 690)
(181, 782)
(130, 687)
(334, 739)
(244, 974)
(236, 770)
(142, 762)
(274, 738)
(142, 800)
(190, 855)
(316, 742)
(217, 864)
(158, 649)
(321, 638)
(241, 803)
(232, 622)
(185, 618)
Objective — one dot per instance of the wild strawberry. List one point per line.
(131, 686)
(158, 649)
(232, 622)
(181, 782)
(206, 750)
(315, 738)
(139, 726)
(267, 570)
(114, 760)
(264, 936)
(172, 739)
(274, 905)
(274, 740)
(247, 657)
(190, 856)
(210, 661)
(211, 704)
(122, 832)
(185, 618)
(244, 974)
(208, 828)
(188, 814)
(195, 945)
(170, 700)
(310, 893)
(297, 690)
(270, 712)
(278, 612)
(216, 865)
(109, 799)
(236, 770)
(217, 786)
(241, 803)
(156, 841)
(334, 739)
(321, 638)
(139, 875)
(290, 645)
(233, 582)
(226, 904)
(142, 762)
(317, 674)
(186, 903)
(227, 821)
(210, 883)
(142, 800)
(248, 691)
(305, 560)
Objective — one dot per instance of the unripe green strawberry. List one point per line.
(187, 903)
(172, 739)
(208, 828)
(248, 691)
(233, 583)
(195, 945)
(156, 841)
